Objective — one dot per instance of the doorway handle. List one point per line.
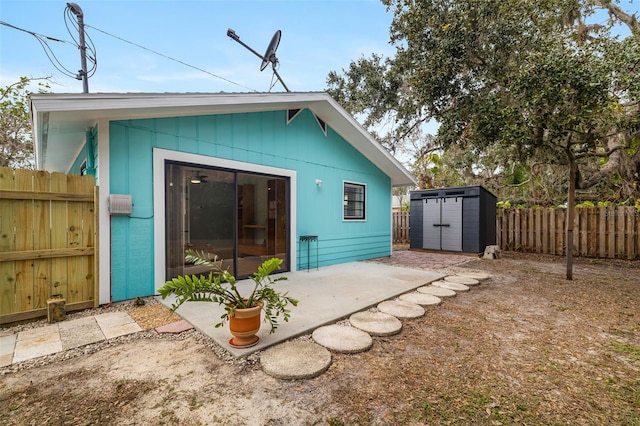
(442, 224)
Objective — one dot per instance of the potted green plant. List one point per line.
(220, 286)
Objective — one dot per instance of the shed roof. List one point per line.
(60, 121)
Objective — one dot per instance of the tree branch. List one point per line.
(614, 10)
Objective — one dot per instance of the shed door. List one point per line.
(431, 223)
(442, 224)
(451, 224)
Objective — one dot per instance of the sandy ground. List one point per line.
(526, 347)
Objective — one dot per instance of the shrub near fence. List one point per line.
(48, 240)
(604, 232)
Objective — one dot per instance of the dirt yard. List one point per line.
(525, 348)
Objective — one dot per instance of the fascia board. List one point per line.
(114, 106)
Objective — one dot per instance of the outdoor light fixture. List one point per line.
(319, 182)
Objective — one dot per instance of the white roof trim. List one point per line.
(69, 116)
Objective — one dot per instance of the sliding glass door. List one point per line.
(237, 217)
(262, 220)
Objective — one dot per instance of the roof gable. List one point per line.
(61, 120)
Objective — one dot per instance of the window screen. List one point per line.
(354, 201)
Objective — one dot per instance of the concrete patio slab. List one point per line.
(326, 295)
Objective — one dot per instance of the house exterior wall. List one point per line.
(88, 153)
(261, 138)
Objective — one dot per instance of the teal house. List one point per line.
(242, 176)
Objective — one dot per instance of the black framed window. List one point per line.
(240, 217)
(354, 201)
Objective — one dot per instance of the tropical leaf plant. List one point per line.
(220, 286)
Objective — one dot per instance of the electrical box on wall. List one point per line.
(120, 204)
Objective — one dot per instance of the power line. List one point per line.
(42, 39)
(170, 58)
(58, 65)
(6, 24)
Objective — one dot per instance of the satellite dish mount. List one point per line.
(270, 55)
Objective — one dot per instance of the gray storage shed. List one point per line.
(459, 219)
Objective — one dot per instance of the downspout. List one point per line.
(91, 164)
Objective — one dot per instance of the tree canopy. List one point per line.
(16, 146)
(522, 90)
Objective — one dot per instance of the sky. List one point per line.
(318, 36)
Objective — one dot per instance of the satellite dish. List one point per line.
(270, 54)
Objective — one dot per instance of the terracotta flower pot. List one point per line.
(243, 325)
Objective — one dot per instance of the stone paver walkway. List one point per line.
(299, 359)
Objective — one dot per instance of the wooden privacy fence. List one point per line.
(605, 232)
(400, 227)
(48, 242)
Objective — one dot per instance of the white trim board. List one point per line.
(159, 158)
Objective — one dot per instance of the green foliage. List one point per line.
(503, 204)
(591, 204)
(16, 146)
(585, 204)
(515, 86)
(220, 286)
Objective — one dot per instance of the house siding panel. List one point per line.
(261, 138)
(83, 156)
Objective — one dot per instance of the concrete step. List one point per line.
(376, 323)
(450, 286)
(401, 309)
(342, 338)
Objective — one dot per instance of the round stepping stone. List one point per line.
(376, 323)
(480, 276)
(450, 286)
(341, 338)
(420, 298)
(295, 359)
(401, 309)
(461, 280)
(436, 291)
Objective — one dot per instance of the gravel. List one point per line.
(147, 312)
